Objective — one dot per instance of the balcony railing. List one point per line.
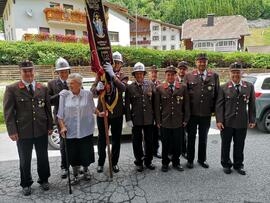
(141, 42)
(62, 15)
(55, 37)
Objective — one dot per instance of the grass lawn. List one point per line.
(258, 37)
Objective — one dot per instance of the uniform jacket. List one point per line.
(29, 116)
(139, 103)
(121, 86)
(54, 87)
(172, 109)
(234, 110)
(202, 94)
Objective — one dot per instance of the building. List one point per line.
(149, 33)
(60, 18)
(258, 49)
(223, 33)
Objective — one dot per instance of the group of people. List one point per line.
(172, 110)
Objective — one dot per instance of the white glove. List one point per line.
(100, 86)
(109, 69)
(64, 93)
(129, 124)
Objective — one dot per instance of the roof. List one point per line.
(2, 7)
(258, 49)
(225, 27)
(160, 22)
(119, 9)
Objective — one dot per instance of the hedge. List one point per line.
(45, 53)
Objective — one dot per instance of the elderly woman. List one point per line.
(76, 120)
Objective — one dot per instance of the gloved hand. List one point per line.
(64, 93)
(109, 69)
(100, 86)
(129, 124)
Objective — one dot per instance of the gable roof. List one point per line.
(119, 9)
(225, 27)
(2, 7)
(258, 49)
(158, 21)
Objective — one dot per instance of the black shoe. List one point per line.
(150, 166)
(26, 191)
(139, 168)
(164, 168)
(241, 171)
(157, 155)
(190, 165)
(64, 173)
(115, 169)
(227, 170)
(178, 167)
(74, 180)
(45, 186)
(100, 169)
(203, 164)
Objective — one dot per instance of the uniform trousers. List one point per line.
(171, 144)
(25, 148)
(238, 136)
(139, 133)
(203, 124)
(116, 125)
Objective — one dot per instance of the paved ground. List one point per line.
(196, 185)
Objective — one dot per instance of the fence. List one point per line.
(45, 73)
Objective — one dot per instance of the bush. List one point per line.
(45, 53)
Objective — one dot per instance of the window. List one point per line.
(70, 32)
(67, 6)
(172, 47)
(266, 84)
(53, 4)
(133, 38)
(164, 28)
(44, 30)
(155, 27)
(144, 39)
(155, 38)
(114, 36)
(155, 47)
(85, 33)
(173, 37)
(164, 47)
(204, 44)
(226, 43)
(163, 38)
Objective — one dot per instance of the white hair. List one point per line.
(75, 76)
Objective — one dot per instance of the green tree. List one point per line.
(1, 25)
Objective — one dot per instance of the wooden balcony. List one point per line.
(59, 15)
(141, 42)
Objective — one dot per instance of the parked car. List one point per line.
(54, 139)
(261, 82)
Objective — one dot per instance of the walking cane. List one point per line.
(67, 162)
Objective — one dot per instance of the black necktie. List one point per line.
(31, 91)
(65, 85)
(237, 88)
(201, 76)
(171, 87)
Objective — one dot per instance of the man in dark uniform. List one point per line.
(28, 118)
(55, 87)
(140, 116)
(115, 118)
(203, 88)
(182, 71)
(235, 112)
(156, 131)
(172, 114)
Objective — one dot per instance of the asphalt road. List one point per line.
(192, 185)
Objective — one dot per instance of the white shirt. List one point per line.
(240, 84)
(77, 111)
(27, 84)
(204, 74)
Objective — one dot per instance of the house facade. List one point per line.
(149, 33)
(221, 34)
(60, 17)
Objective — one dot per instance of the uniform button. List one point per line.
(202, 95)
(237, 108)
(172, 108)
(237, 102)
(236, 113)
(202, 89)
(34, 112)
(34, 119)
(144, 110)
(201, 101)
(32, 99)
(172, 113)
(33, 106)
